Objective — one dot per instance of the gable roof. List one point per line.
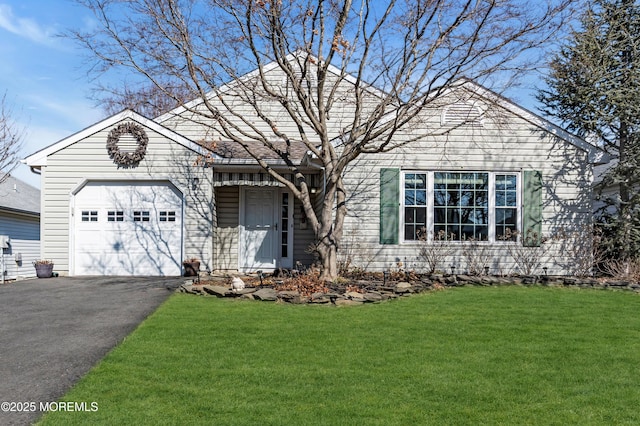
(19, 197)
(230, 150)
(255, 73)
(39, 158)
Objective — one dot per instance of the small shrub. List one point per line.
(477, 256)
(434, 252)
(526, 255)
(620, 269)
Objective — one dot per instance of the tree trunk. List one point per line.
(625, 206)
(328, 260)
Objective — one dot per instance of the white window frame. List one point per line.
(491, 232)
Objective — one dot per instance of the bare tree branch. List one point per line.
(11, 136)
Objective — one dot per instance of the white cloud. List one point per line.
(24, 27)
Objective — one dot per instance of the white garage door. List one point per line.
(127, 228)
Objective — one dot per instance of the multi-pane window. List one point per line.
(115, 216)
(284, 222)
(141, 216)
(89, 216)
(461, 205)
(506, 194)
(167, 216)
(415, 206)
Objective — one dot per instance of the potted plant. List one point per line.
(44, 268)
(191, 267)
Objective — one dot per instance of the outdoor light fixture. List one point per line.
(194, 183)
(544, 268)
(453, 270)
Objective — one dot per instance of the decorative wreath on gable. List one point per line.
(127, 158)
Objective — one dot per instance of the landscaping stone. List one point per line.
(372, 297)
(217, 290)
(187, 288)
(292, 297)
(618, 283)
(450, 280)
(402, 288)
(379, 291)
(320, 298)
(354, 295)
(266, 294)
(246, 290)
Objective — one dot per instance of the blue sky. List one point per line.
(45, 76)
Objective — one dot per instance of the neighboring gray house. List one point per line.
(143, 204)
(19, 228)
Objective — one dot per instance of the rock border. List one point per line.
(376, 292)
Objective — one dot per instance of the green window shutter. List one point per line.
(389, 205)
(532, 208)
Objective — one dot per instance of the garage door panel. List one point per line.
(128, 229)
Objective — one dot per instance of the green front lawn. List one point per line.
(498, 355)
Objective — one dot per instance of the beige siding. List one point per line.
(88, 160)
(190, 123)
(516, 146)
(227, 199)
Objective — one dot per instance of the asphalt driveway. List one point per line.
(52, 331)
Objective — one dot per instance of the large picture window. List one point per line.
(461, 205)
(458, 206)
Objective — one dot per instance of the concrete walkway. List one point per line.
(52, 331)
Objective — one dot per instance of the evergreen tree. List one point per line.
(593, 89)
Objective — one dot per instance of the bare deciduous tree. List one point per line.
(411, 51)
(146, 99)
(10, 140)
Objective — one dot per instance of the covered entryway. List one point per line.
(127, 228)
(266, 229)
